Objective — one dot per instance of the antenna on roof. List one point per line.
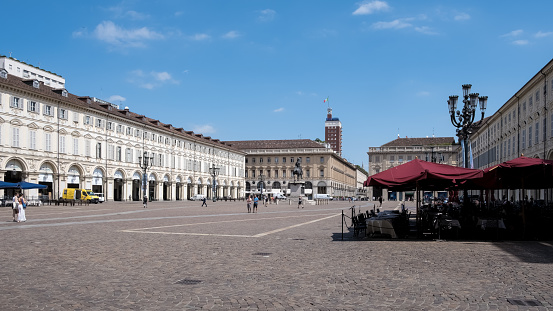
(398, 132)
(432, 132)
(10, 54)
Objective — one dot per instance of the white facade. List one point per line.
(26, 71)
(52, 137)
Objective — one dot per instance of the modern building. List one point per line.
(521, 126)
(61, 140)
(333, 132)
(270, 163)
(402, 150)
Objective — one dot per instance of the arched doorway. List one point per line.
(74, 177)
(118, 186)
(166, 188)
(152, 187)
(178, 189)
(46, 178)
(14, 174)
(321, 188)
(190, 188)
(136, 186)
(97, 181)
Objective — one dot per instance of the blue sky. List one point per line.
(249, 70)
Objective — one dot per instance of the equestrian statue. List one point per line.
(297, 172)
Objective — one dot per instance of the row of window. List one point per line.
(267, 173)
(48, 110)
(284, 160)
(528, 137)
(114, 153)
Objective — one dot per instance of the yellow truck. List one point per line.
(80, 194)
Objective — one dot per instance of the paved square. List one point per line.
(179, 256)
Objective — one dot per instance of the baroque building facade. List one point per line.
(402, 150)
(324, 171)
(52, 137)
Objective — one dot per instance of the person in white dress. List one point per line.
(21, 215)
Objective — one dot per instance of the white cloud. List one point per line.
(541, 34)
(514, 33)
(278, 109)
(108, 32)
(462, 17)
(395, 24)
(200, 37)
(162, 76)
(116, 98)
(231, 35)
(151, 80)
(179, 13)
(520, 42)
(371, 7)
(266, 15)
(203, 129)
(423, 93)
(425, 30)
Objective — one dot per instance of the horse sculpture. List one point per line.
(297, 172)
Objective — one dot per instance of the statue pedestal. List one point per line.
(297, 189)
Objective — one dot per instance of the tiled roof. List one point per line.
(420, 141)
(87, 102)
(275, 144)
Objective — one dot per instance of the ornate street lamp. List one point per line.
(464, 119)
(145, 163)
(214, 171)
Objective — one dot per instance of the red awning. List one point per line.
(519, 173)
(429, 175)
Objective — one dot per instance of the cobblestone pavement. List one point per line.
(178, 256)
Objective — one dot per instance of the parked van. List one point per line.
(197, 197)
(280, 196)
(80, 194)
(101, 198)
(322, 196)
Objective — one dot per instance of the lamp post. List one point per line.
(464, 119)
(145, 163)
(214, 171)
(261, 180)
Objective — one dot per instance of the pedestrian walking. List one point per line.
(255, 202)
(300, 202)
(15, 211)
(145, 201)
(380, 200)
(249, 204)
(204, 200)
(22, 205)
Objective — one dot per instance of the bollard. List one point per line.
(342, 225)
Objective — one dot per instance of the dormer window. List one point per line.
(3, 74)
(64, 93)
(36, 84)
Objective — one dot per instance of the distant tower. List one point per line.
(333, 132)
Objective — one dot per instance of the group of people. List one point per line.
(249, 204)
(18, 207)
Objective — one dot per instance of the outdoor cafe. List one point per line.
(500, 204)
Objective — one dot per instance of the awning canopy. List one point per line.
(519, 173)
(429, 176)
